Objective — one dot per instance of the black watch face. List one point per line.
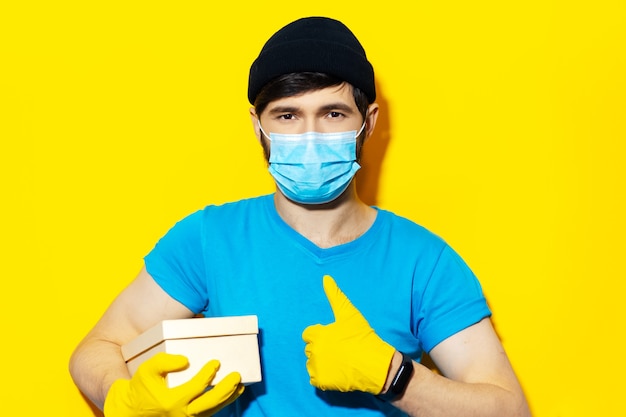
(403, 376)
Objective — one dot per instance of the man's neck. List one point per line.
(328, 225)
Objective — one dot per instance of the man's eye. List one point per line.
(286, 116)
(334, 114)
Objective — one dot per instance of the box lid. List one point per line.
(190, 328)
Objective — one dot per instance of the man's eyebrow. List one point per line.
(337, 106)
(283, 109)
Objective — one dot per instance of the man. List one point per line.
(308, 254)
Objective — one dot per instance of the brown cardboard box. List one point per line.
(231, 340)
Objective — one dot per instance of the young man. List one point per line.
(310, 253)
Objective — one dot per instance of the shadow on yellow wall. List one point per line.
(374, 150)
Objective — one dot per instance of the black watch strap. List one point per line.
(400, 380)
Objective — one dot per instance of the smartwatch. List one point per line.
(400, 380)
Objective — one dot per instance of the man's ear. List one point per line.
(255, 123)
(370, 120)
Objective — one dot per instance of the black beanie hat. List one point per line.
(313, 44)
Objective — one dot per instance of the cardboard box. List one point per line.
(231, 340)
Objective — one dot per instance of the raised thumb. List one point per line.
(339, 303)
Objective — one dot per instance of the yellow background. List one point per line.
(502, 130)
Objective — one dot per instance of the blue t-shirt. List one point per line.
(241, 258)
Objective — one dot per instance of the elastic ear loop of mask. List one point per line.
(261, 128)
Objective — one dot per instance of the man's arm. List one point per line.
(477, 379)
(97, 361)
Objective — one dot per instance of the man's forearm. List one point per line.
(94, 366)
(431, 395)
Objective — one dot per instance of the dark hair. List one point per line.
(294, 84)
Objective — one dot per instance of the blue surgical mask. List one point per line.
(313, 167)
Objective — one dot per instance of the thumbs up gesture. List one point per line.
(346, 355)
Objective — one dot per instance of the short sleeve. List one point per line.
(176, 263)
(451, 301)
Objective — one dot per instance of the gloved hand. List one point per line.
(346, 355)
(146, 394)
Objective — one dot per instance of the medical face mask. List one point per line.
(313, 167)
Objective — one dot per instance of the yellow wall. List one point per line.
(503, 131)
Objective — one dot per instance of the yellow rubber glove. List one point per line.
(146, 394)
(346, 355)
